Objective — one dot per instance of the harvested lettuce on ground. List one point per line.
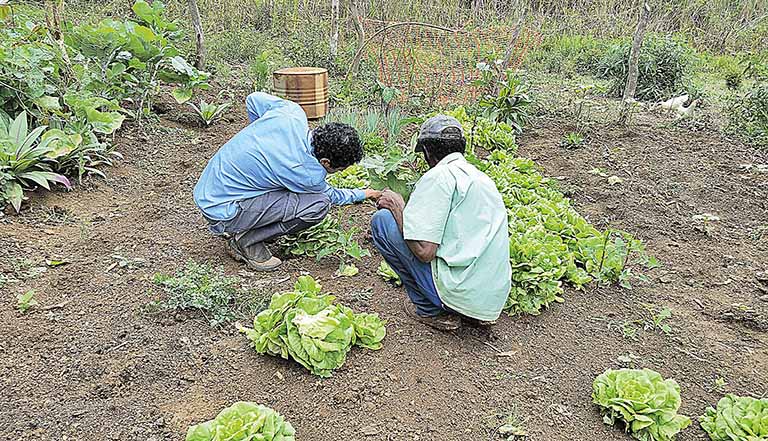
(643, 400)
(308, 327)
(388, 274)
(737, 419)
(369, 330)
(244, 421)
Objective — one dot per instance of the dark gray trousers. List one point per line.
(274, 214)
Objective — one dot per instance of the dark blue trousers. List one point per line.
(415, 274)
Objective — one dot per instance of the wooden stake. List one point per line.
(334, 27)
(194, 13)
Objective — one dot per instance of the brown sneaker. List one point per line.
(269, 262)
(442, 322)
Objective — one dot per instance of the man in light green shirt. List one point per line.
(450, 243)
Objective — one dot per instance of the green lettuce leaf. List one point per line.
(306, 326)
(737, 419)
(244, 421)
(643, 400)
(369, 330)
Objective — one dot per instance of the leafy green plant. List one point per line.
(388, 274)
(354, 176)
(643, 400)
(201, 288)
(306, 326)
(26, 301)
(244, 421)
(25, 160)
(326, 239)
(665, 66)
(484, 133)
(550, 242)
(572, 140)
(658, 318)
(737, 419)
(395, 171)
(748, 115)
(510, 105)
(209, 112)
(260, 70)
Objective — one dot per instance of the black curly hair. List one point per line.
(339, 143)
(440, 148)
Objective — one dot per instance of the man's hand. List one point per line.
(391, 201)
(372, 194)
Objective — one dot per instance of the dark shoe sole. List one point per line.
(441, 322)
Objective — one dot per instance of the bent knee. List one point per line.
(381, 222)
(317, 209)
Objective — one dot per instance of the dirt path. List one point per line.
(88, 365)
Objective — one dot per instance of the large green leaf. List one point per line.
(14, 194)
(182, 94)
(104, 122)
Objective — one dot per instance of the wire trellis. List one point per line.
(440, 66)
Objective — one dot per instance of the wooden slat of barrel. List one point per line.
(306, 86)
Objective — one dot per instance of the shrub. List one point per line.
(665, 66)
(569, 53)
(511, 104)
(748, 115)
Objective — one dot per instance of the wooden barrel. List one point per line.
(307, 86)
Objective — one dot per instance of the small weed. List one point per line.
(219, 298)
(209, 112)
(26, 301)
(657, 318)
(718, 385)
(705, 222)
(629, 330)
(572, 140)
(628, 360)
(513, 427)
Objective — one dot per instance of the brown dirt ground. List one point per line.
(87, 364)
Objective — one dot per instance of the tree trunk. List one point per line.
(194, 13)
(634, 54)
(334, 27)
(359, 30)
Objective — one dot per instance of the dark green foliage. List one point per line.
(510, 105)
(665, 67)
(327, 238)
(748, 115)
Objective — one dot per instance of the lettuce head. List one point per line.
(244, 421)
(306, 326)
(643, 400)
(737, 419)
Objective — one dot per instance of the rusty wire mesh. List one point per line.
(440, 66)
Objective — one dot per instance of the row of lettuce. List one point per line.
(642, 400)
(550, 242)
(65, 92)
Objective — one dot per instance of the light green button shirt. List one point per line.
(458, 207)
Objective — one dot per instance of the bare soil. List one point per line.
(87, 364)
